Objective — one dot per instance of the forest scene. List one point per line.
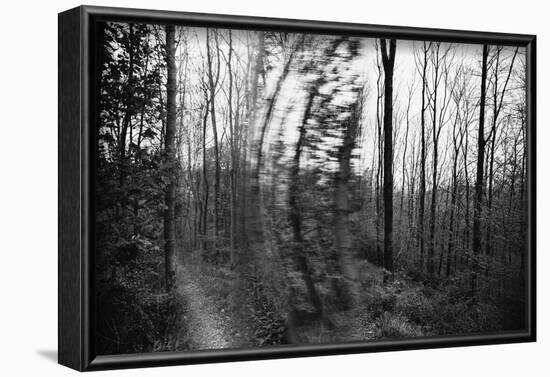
(263, 188)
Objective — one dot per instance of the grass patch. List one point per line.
(391, 325)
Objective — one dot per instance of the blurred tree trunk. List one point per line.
(257, 227)
(348, 262)
(270, 108)
(259, 235)
(299, 251)
(233, 155)
(182, 214)
(254, 223)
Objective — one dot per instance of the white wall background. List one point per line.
(28, 186)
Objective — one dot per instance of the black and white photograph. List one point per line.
(269, 189)
(265, 188)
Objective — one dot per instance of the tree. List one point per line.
(479, 185)
(378, 215)
(388, 59)
(342, 233)
(254, 215)
(404, 173)
(440, 75)
(460, 125)
(498, 94)
(294, 209)
(213, 79)
(233, 152)
(315, 66)
(422, 189)
(170, 159)
(263, 158)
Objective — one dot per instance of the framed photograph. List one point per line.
(238, 188)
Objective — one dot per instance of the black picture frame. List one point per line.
(76, 181)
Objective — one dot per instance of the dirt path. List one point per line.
(204, 324)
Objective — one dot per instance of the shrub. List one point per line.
(268, 323)
(396, 326)
(415, 306)
(131, 320)
(465, 317)
(380, 299)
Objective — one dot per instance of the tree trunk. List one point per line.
(213, 82)
(403, 166)
(170, 159)
(454, 193)
(254, 216)
(348, 262)
(431, 245)
(388, 61)
(442, 249)
(233, 147)
(206, 188)
(257, 229)
(299, 252)
(379, 172)
(497, 105)
(126, 123)
(467, 194)
(422, 193)
(478, 201)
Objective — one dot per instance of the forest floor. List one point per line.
(404, 307)
(205, 323)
